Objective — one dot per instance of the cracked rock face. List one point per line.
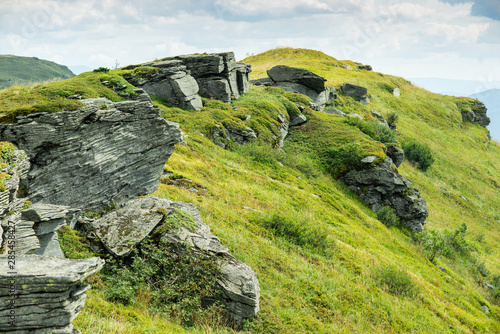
(101, 154)
(382, 185)
(49, 292)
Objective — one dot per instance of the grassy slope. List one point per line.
(15, 70)
(324, 280)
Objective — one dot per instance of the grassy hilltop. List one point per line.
(15, 70)
(325, 263)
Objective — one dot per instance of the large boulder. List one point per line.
(353, 90)
(477, 114)
(300, 81)
(282, 73)
(102, 154)
(44, 295)
(122, 230)
(382, 185)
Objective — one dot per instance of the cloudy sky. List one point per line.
(454, 39)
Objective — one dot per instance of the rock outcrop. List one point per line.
(301, 81)
(122, 230)
(382, 185)
(477, 114)
(43, 295)
(180, 79)
(101, 154)
(353, 90)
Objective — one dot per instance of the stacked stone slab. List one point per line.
(43, 295)
(122, 230)
(300, 81)
(102, 154)
(180, 79)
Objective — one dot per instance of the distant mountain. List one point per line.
(491, 99)
(455, 87)
(15, 70)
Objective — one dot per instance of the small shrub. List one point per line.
(396, 281)
(101, 70)
(388, 217)
(179, 281)
(419, 154)
(344, 158)
(375, 130)
(392, 118)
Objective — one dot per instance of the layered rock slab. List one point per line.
(44, 295)
(107, 152)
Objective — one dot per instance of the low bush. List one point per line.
(392, 118)
(375, 130)
(419, 154)
(179, 282)
(388, 217)
(343, 159)
(396, 281)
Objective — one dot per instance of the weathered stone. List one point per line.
(297, 120)
(49, 293)
(365, 67)
(282, 73)
(382, 185)
(241, 135)
(477, 114)
(396, 154)
(485, 309)
(243, 77)
(377, 115)
(91, 158)
(335, 111)
(353, 90)
(369, 159)
(26, 240)
(355, 115)
(396, 92)
(266, 82)
(121, 230)
(49, 245)
(217, 88)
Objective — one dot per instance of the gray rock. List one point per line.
(382, 185)
(217, 88)
(298, 120)
(49, 245)
(91, 158)
(485, 309)
(353, 90)
(396, 154)
(377, 115)
(396, 92)
(243, 77)
(489, 286)
(282, 73)
(365, 100)
(355, 115)
(122, 230)
(335, 111)
(50, 292)
(477, 114)
(369, 159)
(365, 67)
(265, 82)
(26, 240)
(443, 269)
(241, 135)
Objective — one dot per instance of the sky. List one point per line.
(452, 39)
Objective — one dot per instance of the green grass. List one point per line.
(15, 70)
(321, 255)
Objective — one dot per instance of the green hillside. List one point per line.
(325, 263)
(15, 70)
